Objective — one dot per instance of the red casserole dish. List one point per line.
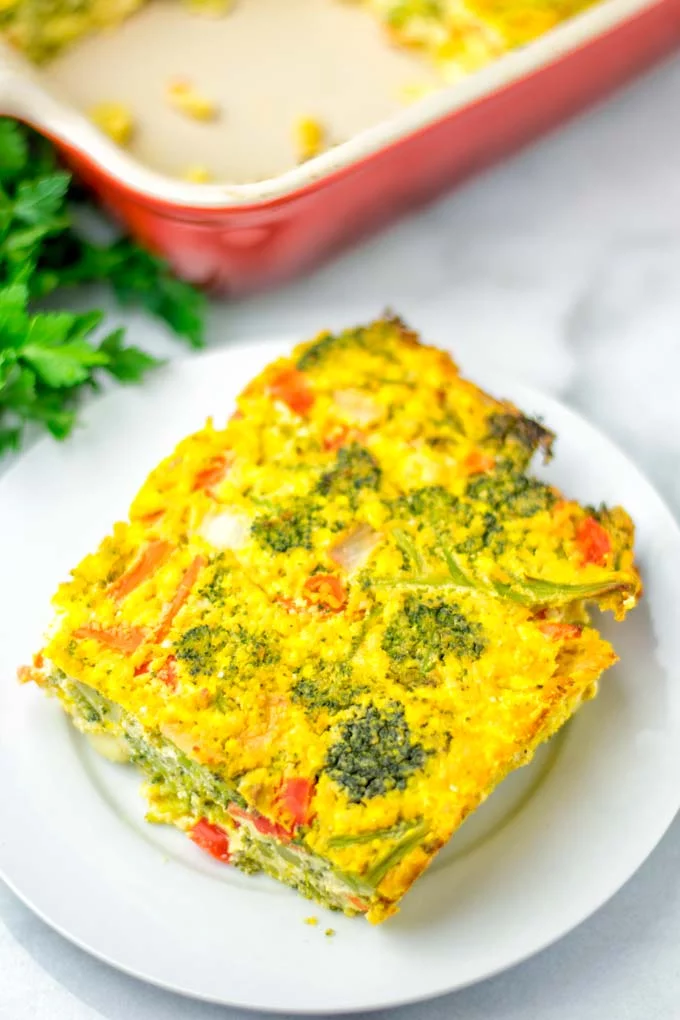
(241, 237)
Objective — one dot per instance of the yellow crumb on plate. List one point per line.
(329, 932)
(313, 921)
(310, 138)
(115, 120)
(188, 100)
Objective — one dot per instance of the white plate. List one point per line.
(548, 848)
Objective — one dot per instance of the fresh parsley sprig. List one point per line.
(47, 359)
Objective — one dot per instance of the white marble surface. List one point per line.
(561, 267)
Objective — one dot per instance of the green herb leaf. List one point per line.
(408, 549)
(66, 365)
(13, 317)
(455, 571)
(393, 832)
(56, 413)
(527, 591)
(21, 249)
(13, 149)
(396, 854)
(47, 359)
(49, 330)
(18, 389)
(178, 303)
(140, 278)
(6, 213)
(127, 364)
(40, 200)
(552, 591)
(9, 440)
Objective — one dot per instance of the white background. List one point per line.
(561, 267)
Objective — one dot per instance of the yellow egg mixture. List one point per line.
(329, 629)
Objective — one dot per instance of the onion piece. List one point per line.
(226, 530)
(356, 406)
(355, 547)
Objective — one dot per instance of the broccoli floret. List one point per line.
(431, 501)
(423, 633)
(510, 493)
(199, 647)
(330, 688)
(202, 646)
(374, 754)
(528, 433)
(448, 516)
(262, 648)
(489, 535)
(213, 588)
(317, 352)
(291, 528)
(355, 469)
(375, 339)
(315, 696)
(330, 344)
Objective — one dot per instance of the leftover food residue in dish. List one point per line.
(453, 38)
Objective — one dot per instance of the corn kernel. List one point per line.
(415, 91)
(115, 120)
(197, 174)
(309, 138)
(189, 101)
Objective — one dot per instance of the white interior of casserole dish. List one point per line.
(369, 117)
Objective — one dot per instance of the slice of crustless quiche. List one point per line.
(328, 630)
